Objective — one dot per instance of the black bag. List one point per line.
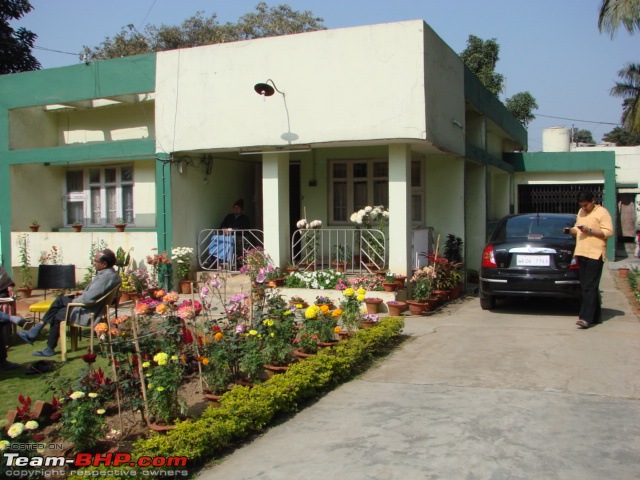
(41, 366)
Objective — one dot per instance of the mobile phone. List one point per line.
(566, 230)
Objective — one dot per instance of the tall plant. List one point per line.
(25, 261)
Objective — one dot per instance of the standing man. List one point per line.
(592, 229)
(105, 280)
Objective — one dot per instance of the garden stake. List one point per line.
(115, 376)
(143, 387)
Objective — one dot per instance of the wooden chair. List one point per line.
(103, 302)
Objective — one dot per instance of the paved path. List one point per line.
(515, 393)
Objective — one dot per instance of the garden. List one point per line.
(193, 375)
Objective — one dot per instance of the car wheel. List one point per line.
(487, 303)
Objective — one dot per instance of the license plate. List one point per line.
(532, 260)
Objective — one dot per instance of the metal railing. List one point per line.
(221, 249)
(349, 250)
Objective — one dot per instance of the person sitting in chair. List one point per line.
(105, 280)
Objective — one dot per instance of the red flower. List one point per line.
(89, 357)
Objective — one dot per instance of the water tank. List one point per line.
(556, 139)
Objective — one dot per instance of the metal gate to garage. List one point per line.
(555, 198)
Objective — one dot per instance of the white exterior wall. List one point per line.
(445, 196)
(330, 79)
(627, 161)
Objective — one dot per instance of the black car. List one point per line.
(530, 255)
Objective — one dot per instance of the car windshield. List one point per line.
(533, 227)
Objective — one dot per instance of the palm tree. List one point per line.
(629, 90)
(616, 12)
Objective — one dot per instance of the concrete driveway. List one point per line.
(518, 393)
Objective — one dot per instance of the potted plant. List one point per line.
(343, 257)
(373, 304)
(277, 347)
(183, 258)
(351, 306)
(25, 266)
(396, 308)
(298, 302)
(34, 226)
(77, 226)
(390, 284)
(120, 225)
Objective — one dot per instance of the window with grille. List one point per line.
(554, 198)
(99, 196)
(354, 184)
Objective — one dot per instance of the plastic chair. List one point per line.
(102, 303)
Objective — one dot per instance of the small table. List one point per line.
(40, 307)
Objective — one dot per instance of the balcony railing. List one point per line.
(221, 249)
(348, 250)
(352, 251)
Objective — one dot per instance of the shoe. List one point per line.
(26, 338)
(7, 365)
(47, 352)
(583, 324)
(28, 323)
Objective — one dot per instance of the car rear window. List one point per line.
(532, 227)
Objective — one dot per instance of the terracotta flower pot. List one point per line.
(301, 355)
(372, 304)
(623, 272)
(396, 308)
(34, 228)
(390, 286)
(185, 287)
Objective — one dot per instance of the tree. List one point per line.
(581, 136)
(616, 12)
(622, 137)
(199, 30)
(16, 45)
(629, 90)
(520, 105)
(481, 57)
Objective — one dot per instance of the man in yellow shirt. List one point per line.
(592, 229)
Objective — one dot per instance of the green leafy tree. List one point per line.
(629, 89)
(481, 58)
(622, 137)
(581, 136)
(521, 106)
(16, 45)
(616, 12)
(199, 30)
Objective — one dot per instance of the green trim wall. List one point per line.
(108, 78)
(567, 162)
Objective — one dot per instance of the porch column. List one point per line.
(275, 199)
(400, 209)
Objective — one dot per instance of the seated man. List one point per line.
(5, 318)
(106, 279)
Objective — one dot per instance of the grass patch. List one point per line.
(16, 382)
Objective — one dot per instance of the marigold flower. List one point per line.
(311, 312)
(31, 425)
(336, 329)
(114, 332)
(76, 395)
(162, 308)
(159, 293)
(4, 444)
(349, 292)
(161, 358)
(150, 386)
(361, 291)
(360, 298)
(100, 328)
(92, 395)
(253, 332)
(146, 364)
(324, 308)
(205, 361)
(100, 411)
(160, 389)
(171, 297)
(142, 309)
(218, 336)
(174, 357)
(337, 312)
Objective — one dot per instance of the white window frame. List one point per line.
(415, 190)
(85, 195)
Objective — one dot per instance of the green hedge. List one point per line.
(245, 411)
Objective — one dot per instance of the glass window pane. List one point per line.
(74, 182)
(340, 201)
(110, 175)
(95, 206)
(416, 208)
(416, 174)
(380, 169)
(339, 170)
(126, 174)
(381, 192)
(74, 212)
(127, 203)
(94, 175)
(359, 170)
(112, 212)
(360, 196)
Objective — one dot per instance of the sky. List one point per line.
(550, 48)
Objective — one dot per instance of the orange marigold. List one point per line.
(336, 329)
(324, 308)
(337, 312)
(218, 336)
(101, 328)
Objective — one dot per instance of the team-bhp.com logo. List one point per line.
(118, 460)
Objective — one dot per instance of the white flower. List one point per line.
(4, 444)
(15, 429)
(302, 223)
(93, 395)
(353, 217)
(76, 395)
(367, 209)
(31, 425)
(315, 224)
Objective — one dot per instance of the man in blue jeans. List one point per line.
(105, 280)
